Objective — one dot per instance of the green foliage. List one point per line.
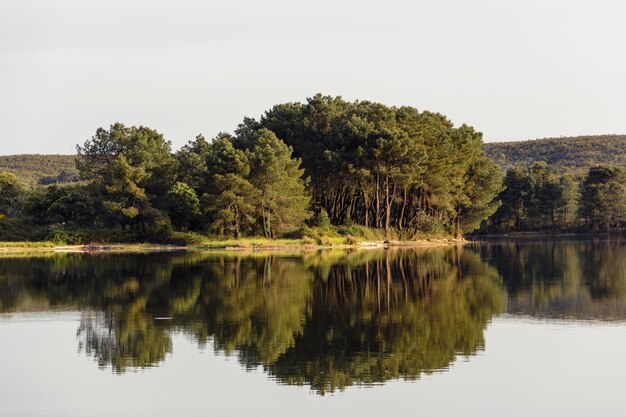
(283, 202)
(231, 207)
(60, 204)
(381, 166)
(186, 239)
(184, 205)
(132, 169)
(321, 219)
(428, 225)
(192, 163)
(20, 230)
(537, 198)
(61, 236)
(11, 194)
(361, 163)
(603, 196)
(362, 232)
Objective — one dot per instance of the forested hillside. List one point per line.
(561, 184)
(570, 153)
(40, 169)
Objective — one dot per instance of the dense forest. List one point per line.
(324, 163)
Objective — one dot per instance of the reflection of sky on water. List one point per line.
(530, 367)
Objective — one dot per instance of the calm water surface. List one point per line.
(515, 328)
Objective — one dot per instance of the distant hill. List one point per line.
(41, 169)
(571, 153)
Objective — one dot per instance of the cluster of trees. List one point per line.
(326, 320)
(325, 161)
(535, 198)
(539, 198)
(385, 167)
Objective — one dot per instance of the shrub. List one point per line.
(185, 238)
(351, 240)
(428, 225)
(321, 220)
(61, 236)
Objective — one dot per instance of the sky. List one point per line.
(512, 69)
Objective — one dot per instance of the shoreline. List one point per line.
(243, 246)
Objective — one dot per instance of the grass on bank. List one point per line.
(44, 244)
(15, 234)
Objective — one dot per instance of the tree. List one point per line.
(232, 207)
(192, 164)
(60, 204)
(284, 202)
(229, 200)
(603, 196)
(131, 169)
(184, 205)
(11, 194)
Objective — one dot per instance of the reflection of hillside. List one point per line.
(325, 319)
(562, 279)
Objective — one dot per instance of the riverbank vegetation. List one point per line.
(560, 185)
(539, 198)
(323, 170)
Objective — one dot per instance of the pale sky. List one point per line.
(512, 69)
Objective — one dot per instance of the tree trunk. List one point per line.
(377, 223)
(387, 207)
(366, 204)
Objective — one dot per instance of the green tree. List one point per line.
(192, 164)
(283, 203)
(132, 170)
(603, 196)
(11, 194)
(232, 207)
(184, 205)
(60, 204)
(230, 200)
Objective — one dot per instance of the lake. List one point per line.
(516, 328)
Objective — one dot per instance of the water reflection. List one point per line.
(583, 280)
(326, 319)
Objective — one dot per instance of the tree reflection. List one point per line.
(327, 319)
(562, 279)
(123, 340)
(398, 316)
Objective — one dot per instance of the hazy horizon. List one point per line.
(514, 71)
